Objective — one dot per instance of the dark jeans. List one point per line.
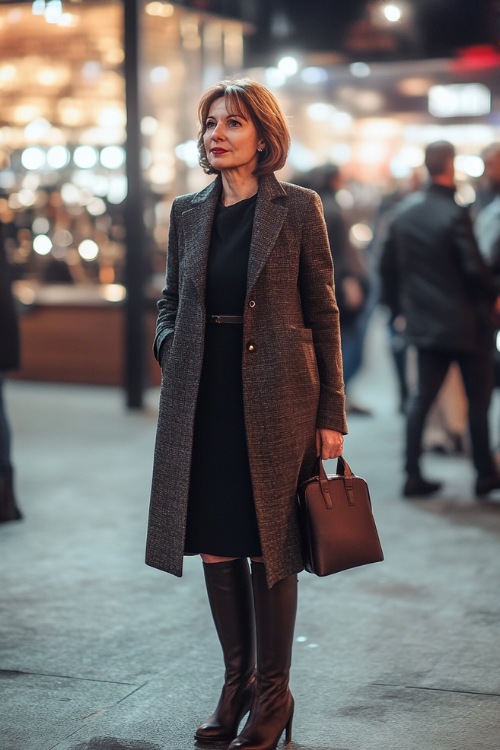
(477, 375)
(353, 336)
(4, 433)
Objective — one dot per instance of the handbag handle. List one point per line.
(343, 467)
(343, 470)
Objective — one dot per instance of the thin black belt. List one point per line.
(224, 318)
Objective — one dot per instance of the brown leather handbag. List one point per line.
(338, 528)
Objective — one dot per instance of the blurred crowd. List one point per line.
(433, 264)
(365, 278)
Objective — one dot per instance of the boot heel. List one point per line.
(288, 730)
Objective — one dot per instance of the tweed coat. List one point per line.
(291, 365)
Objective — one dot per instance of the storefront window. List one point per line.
(63, 130)
(63, 170)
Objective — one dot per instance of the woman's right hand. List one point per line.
(329, 443)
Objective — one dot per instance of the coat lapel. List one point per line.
(269, 217)
(197, 226)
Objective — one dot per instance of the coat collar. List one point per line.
(197, 223)
(270, 213)
(448, 190)
(269, 188)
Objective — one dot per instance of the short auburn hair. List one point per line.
(249, 99)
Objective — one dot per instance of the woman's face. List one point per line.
(231, 140)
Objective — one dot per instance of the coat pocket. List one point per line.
(305, 335)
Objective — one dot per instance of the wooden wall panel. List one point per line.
(78, 344)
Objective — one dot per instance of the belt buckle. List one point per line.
(215, 319)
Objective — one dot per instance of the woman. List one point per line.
(248, 341)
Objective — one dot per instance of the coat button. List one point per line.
(251, 303)
(251, 347)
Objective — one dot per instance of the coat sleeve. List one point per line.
(473, 265)
(321, 314)
(389, 274)
(167, 305)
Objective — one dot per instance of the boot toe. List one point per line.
(487, 484)
(416, 486)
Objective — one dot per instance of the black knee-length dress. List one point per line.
(221, 517)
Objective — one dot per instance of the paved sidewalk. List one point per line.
(98, 652)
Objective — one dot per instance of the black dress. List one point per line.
(221, 517)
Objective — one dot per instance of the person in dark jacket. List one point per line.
(9, 360)
(432, 274)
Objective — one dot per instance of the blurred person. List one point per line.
(56, 271)
(487, 224)
(352, 281)
(252, 392)
(487, 230)
(447, 420)
(395, 324)
(486, 190)
(9, 360)
(433, 274)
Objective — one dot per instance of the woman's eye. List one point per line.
(234, 122)
(210, 124)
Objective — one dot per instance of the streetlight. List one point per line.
(392, 12)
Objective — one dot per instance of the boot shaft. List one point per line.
(275, 614)
(272, 708)
(230, 597)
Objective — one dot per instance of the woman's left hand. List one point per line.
(329, 443)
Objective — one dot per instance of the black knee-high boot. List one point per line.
(230, 595)
(9, 510)
(272, 707)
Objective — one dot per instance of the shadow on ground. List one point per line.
(113, 743)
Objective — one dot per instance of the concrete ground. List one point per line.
(99, 652)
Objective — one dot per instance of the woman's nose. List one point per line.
(217, 131)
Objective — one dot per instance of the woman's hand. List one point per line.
(329, 443)
(353, 293)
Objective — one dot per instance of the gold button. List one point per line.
(251, 347)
